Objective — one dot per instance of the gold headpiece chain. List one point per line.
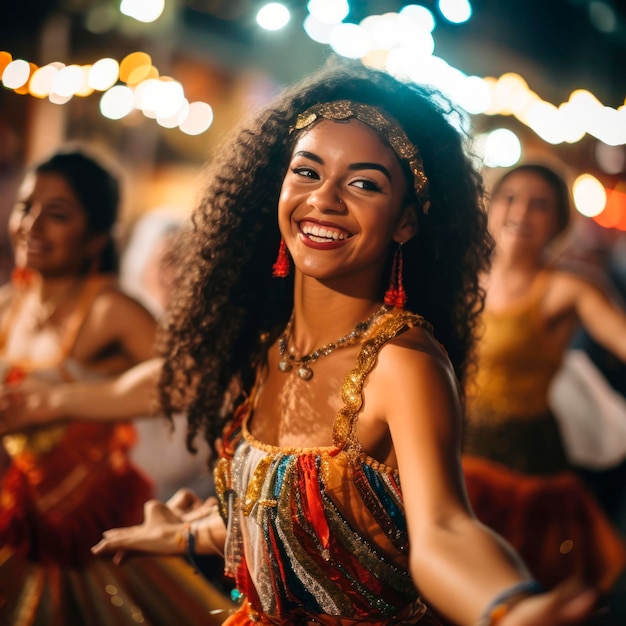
(382, 124)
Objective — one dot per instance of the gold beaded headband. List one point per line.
(384, 125)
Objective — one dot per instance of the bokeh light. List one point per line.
(273, 16)
(143, 10)
(589, 195)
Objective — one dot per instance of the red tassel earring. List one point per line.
(22, 277)
(280, 269)
(396, 295)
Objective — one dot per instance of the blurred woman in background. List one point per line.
(63, 318)
(515, 461)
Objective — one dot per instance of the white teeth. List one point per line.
(321, 234)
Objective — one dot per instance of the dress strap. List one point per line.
(11, 317)
(540, 285)
(536, 292)
(92, 286)
(91, 289)
(387, 328)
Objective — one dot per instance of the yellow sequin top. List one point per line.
(516, 361)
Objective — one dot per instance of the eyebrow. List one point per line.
(56, 199)
(353, 166)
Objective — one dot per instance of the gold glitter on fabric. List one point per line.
(352, 391)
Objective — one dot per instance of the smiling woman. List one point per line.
(331, 394)
(63, 318)
(347, 200)
(337, 411)
(518, 474)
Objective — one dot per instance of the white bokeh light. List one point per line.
(499, 148)
(316, 30)
(117, 102)
(16, 74)
(198, 119)
(350, 40)
(455, 11)
(104, 74)
(419, 14)
(475, 95)
(43, 79)
(328, 11)
(273, 16)
(589, 195)
(143, 10)
(68, 81)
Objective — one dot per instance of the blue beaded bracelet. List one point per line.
(190, 542)
(500, 605)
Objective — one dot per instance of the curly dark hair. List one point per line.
(227, 306)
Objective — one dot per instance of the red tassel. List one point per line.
(280, 269)
(396, 295)
(14, 375)
(22, 277)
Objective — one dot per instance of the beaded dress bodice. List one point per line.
(320, 531)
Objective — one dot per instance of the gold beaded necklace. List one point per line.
(288, 361)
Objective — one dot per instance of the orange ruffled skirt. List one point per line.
(55, 505)
(553, 522)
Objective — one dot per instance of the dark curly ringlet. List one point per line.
(97, 189)
(227, 299)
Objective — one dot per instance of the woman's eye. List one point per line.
(368, 185)
(58, 211)
(304, 171)
(58, 216)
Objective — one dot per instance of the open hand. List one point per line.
(566, 605)
(25, 404)
(160, 533)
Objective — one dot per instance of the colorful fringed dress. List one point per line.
(318, 535)
(515, 464)
(65, 485)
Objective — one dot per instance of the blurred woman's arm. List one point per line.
(129, 395)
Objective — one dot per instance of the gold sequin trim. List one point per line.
(388, 327)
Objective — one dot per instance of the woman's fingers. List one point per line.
(183, 501)
(115, 539)
(208, 507)
(568, 604)
(156, 512)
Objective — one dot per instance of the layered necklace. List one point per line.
(288, 361)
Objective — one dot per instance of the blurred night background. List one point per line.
(538, 80)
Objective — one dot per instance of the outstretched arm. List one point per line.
(169, 527)
(452, 554)
(32, 402)
(601, 314)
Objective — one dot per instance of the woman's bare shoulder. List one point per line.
(112, 299)
(414, 350)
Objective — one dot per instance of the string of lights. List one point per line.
(401, 43)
